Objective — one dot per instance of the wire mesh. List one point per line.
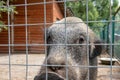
(28, 61)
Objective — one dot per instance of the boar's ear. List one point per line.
(98, 48)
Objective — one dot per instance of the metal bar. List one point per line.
(111, 41)
(26, 34)
(38, 3)
(66, 54)
(61, 23)
(87, 19)
(105, 44)
(45, 29)
(9, 39)
(81, 66)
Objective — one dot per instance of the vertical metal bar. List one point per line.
(87, 20)
(66, 55)
(8, 6)
(45, 43)
(26, 35)
(110, 31)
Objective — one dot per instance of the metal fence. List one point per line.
(117, 37)
(24, 68)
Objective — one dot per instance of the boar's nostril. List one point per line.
(55, 68)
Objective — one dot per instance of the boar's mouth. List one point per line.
(50, 76)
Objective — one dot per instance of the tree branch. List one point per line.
(116, 11)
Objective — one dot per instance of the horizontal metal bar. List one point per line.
(81, 66)
(116, 44)
(29, 24)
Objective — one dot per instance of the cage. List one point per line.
(24, 47)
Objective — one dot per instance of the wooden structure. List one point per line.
(34, 20)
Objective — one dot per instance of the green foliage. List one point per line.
(98, 10)
(5, 9)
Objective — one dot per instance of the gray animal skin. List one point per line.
(69, 57)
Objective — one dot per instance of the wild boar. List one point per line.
(71, 52)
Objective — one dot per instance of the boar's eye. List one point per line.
(81, 39)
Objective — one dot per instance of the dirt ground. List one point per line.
(18, 68)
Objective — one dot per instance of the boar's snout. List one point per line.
(56, 62)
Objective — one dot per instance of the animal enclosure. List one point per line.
(41, 28)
